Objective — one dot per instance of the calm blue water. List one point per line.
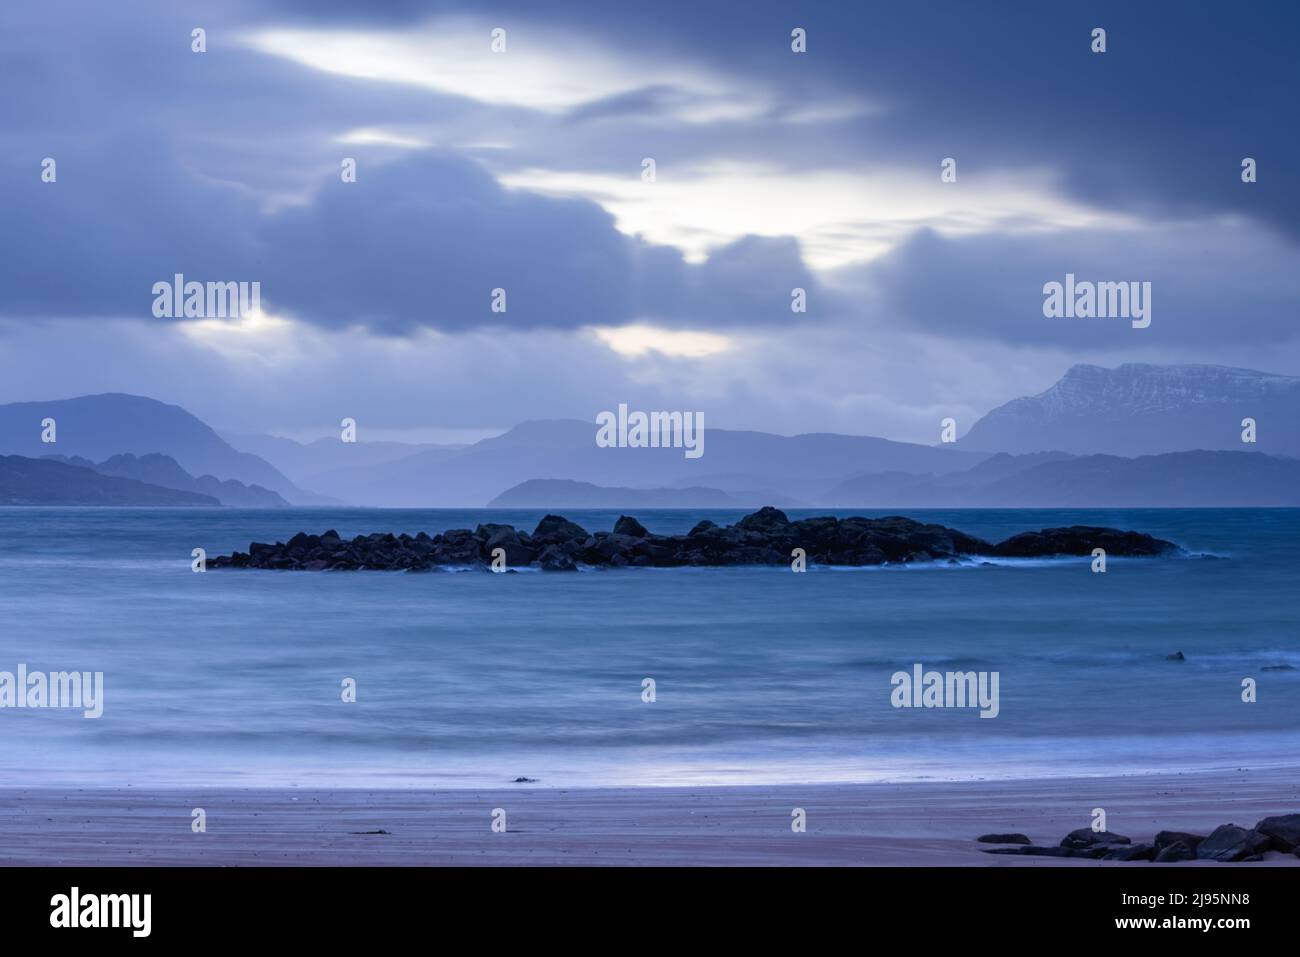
(472, 679)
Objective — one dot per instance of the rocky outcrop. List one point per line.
(1228, 843)
(766, 537)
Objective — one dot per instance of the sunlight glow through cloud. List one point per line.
(839, 217)
(638, 340)
(536, 71)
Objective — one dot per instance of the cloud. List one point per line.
(775, 171)
(840, 216)
(1213, 283)
(638, 340)
(455, 56)
(420, 242)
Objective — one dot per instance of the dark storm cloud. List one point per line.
(991, 288)
(418, 242)
(225, 165)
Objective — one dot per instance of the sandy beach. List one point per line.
(929, 824)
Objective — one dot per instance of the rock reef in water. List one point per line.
(767, 537)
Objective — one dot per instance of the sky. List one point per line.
(524, 170)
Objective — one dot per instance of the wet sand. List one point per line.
(847, 824)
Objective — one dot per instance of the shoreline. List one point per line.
(907, 824)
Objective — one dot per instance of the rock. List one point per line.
(1033, 850)
(555, 559)
(1002, 839)
(1081, 540)
(523, 780)
(496, 536)
(1176, 656)
(627, 525)
(1087, 837)
(555, 528)
(766, 537)
(765, 519)
(1284, 829)
(1165, 838)
(1130, 852)
(1231, 843)
(1177, 851)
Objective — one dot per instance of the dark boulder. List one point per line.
(1177, 851)
(1231, 843)
(555, 559)
(1284, 829)
(1130, 852)
(1033, 850)
(1087, 837)
(553, 529)
(627, 525)
(1081, 540)
(766, 519)
(1164, 838)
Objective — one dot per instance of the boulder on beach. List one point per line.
(1231, 843)
(1087, 837)
(1165, 838)
(1284, 829)
(1130, 852)
(1177, 851)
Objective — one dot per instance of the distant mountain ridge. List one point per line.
(1141, 409)
(97, 427)
(1195, 479)
(788, 467)
(28, 481)
(564, 493)
(1088, 440)
(311, 464)
(164, 472)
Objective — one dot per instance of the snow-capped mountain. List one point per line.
(1140, 409)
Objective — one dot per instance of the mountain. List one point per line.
(1174, 480)
(905, 488)
(164, 471)
(97, 427)
(311, 464)
(27, 481)
(790, 468)
(1201, 479)
(563, 493)
(1141, 409)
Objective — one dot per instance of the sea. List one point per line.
(468, 679)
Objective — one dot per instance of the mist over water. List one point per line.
(763, 675)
